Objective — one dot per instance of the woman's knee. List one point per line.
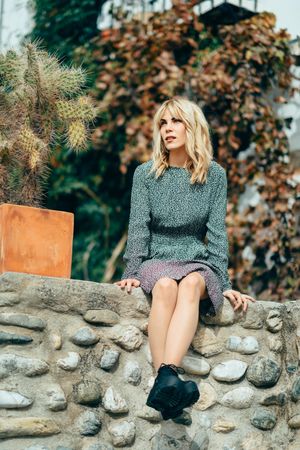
(166, 283)
(195, 281)
(165, 286)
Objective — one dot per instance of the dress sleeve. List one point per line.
(137, 245)
(217, 246)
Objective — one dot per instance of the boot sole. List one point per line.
(166, 414)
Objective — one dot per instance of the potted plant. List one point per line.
(40, 100)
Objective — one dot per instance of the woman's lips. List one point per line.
(168, 139)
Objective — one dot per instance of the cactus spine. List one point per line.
(39, 97)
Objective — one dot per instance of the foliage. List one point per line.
(62, 26)
(83, 183)
(40, 101)
(233, 74)
(237, 75)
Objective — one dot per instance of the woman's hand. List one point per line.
(129, 282)
(237, 299)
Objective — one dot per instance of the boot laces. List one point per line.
(176, 368)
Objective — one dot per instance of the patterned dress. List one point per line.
(170, 218)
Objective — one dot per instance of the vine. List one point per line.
(238, 75)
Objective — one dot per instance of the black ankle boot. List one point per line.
(171, 413)
(167, 389)
(176, 369)
(191, 395)
(170, 395)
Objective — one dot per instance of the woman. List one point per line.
(178, 199)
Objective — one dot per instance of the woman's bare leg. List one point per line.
(164, 296)
(185, 318)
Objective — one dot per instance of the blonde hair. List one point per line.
(198, 144)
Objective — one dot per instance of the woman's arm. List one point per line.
(138, 228)
(217, 246)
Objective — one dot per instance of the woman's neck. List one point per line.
(177, 163)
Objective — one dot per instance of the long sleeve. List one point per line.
(139, 226)
(218, 248)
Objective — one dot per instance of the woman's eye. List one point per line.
(174, 120)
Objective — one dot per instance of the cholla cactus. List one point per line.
(39, 100)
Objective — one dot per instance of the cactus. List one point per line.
(39, 99)
(77, 134)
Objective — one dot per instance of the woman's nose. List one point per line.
(169, 127)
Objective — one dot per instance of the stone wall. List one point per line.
(75, 371)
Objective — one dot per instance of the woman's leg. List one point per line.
(164, 295)
(185, 318)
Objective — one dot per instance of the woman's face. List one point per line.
(172, 131)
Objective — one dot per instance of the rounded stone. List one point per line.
(14, 338)
(239, 398)
(88, 423)
(275, 344)
(113, 402)
(245, 346)
(55, 341)
(11, 399)
(255, 317)
(195, 366)
(70, 362)
(149, 414)
(11, 363)
(132, 372)
(102, 317)
(225, 316)
(208, 397)
(294, 422)
(263, 372)
(295, 394)
(163, 441)
(128, 337)
(234, 343)
(223, 426)
(263, 419)
(87, 393)
(12, 427)
(274, 321)
(122, 433)
(85, 336)
(231, 370)
(56, 400)
(109, 359)
(22, 320)
(277, 397)
(206, 343)
(249, 345)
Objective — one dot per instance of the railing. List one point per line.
(143, 8)
(209, 4)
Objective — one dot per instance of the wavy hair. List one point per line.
(198, 144)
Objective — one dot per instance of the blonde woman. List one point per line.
(178, 200)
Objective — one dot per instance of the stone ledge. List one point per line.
(82, 379)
